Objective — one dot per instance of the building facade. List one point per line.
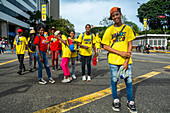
(154, 40)
(15, 14)
(54, 9)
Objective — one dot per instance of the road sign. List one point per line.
(145, 23)
(43, 12)
(162, 16)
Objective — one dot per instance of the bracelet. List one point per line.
(126, 62)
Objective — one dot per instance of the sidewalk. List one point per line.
(157, 51)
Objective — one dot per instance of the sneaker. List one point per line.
(70, 78)
(84, 78)
(65, 80)
(42, 81)
(19, 72)
(74, 76)
(53, 69)
(51, 81)
(34, 67)
(30, 69)
(116, 105)
(89, 78)
(24, 70)
(131, 106)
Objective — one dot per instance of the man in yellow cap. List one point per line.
(31, 49)
(117, 40)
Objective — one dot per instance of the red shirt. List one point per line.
(55, 42)
(42, 44)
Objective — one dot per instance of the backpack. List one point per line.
(31, 44)
(71, 46)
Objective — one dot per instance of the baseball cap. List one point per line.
(56, 33)
(114, 9)
(32, 31)
(19, 30)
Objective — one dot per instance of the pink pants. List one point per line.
(64, 66)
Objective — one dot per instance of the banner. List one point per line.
(145, 23)
(43, 12)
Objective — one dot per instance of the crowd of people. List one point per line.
(58, 45)
(117, 40)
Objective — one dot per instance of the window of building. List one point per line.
(155, 42)
(151, 42)
(159, 42)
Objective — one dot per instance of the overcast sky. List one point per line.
(82, 12)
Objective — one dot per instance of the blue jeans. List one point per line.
(86, 59)
(40, 64)
(114, 69)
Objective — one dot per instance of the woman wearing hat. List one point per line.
(31, 41)
(54, 46)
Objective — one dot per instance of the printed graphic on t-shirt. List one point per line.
(19, 42)
(53, 39)
(44, 42)
(87, 41)
(120, 38)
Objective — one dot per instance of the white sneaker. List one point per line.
(52, 81)
(84, 78)
(65, 80)
(74, 76)
(42, 81)
(88, 78)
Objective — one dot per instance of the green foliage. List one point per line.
(99, 30)
(108, 23)
(63, 25)
(151, 10)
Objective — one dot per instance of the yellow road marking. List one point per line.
(11, 61)
(72, 104)
(168, 67)
(151, 61)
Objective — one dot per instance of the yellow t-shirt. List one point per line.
(98, 41)
(65, 48)
(126, 36)
(74, 54)
(29, 48)
(87, 41)
(20, 46)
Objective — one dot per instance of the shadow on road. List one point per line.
(19, 89)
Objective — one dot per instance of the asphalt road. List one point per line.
(23, 93)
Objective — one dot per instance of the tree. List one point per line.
(108, 23)
(151, 10)
(62, 24)
(135, 29)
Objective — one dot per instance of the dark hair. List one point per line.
(88, 25)
(61, 33)
(39, 27)
(73, 32)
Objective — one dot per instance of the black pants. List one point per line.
(21, 61)
(83, 62)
